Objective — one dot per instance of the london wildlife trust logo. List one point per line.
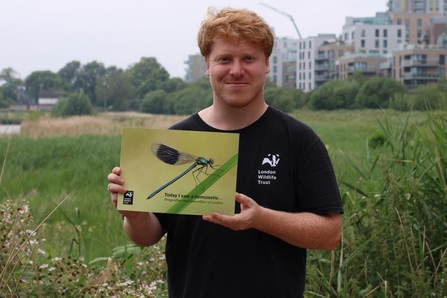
(128, 198)
(271, 159)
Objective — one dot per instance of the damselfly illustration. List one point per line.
(174, 157)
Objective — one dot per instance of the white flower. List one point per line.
(43, 266)
(40, 251)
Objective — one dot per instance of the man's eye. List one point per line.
(248, 58)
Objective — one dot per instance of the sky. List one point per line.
(38, 35)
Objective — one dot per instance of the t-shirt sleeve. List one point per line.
(318, 190)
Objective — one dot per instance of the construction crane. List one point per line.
(286, 14)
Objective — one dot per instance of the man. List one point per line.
(261, 250)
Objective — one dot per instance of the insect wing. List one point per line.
(170, 155)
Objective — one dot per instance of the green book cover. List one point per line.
(178, 171)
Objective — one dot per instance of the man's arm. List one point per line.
(305, 230)
(143, 228)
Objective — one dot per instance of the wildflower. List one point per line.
(40, 251)
(31, 232)
(126, 283)
(24, 209)
(56, 259)
(43, 266)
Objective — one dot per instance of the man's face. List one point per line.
(237, 72)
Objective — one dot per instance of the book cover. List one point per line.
(178, 171)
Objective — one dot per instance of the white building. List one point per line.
(306, 54)
(376, 35)
(284, 50)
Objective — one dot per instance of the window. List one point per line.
(399, 33)
(304, 75)
(331, 54)
(275, 69)
(346, 36)
(310, 44)
(407, 23)
(310, 86)
(308, 55)
(275, 79)
(310, 65)
(340, 53)
(363, 32)
(385, 43)
(399, 21)
(377, 32)
(442, 59)
(377, 43)
(362, 43)
(419, 23)
(385, 33)
(310, 75)
(419, 33)
(275, 60)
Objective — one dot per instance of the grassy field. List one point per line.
(53, 159)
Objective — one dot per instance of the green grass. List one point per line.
(394, 240)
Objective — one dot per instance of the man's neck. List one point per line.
(228, 118)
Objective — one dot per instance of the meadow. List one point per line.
(391, 168)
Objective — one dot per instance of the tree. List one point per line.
(88, 77)
(73, 104)
(10, 86)
(427, 97)
(42, 80)
(69, 75)
(114, 90)
(280, 98)
(189, 100)
(378, 92)
(335, 94)
(174, 85)
(153, 102)
(147, 75)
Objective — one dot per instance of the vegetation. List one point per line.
(147, 87)
(58, 226)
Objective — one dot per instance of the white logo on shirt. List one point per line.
(271, 159)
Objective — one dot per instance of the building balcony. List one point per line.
(321, 78)
(321, 67)
(353, 69)
(421, 76)
(424, 63)
(321, 57)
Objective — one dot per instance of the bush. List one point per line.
(378, 138)
(71, 105)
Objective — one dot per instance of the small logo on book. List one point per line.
(128, 198)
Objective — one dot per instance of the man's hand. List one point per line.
(303, 229)
(241, 221)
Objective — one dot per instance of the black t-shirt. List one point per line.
(283, 165)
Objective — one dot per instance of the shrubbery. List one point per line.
(71, 105)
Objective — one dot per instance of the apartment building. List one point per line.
(415, 65)
(196, 68)
(417, 26)
(374, 35)
(329, 53)
(283, 62)
(367, 64)
(418, 6)
(307, 53)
